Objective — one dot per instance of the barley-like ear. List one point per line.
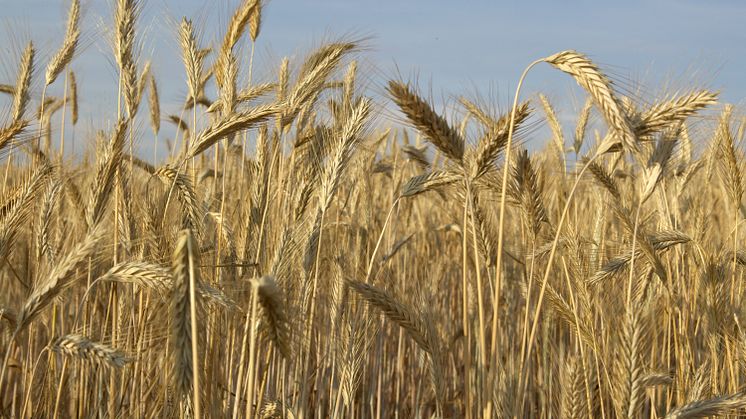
(107, 169)
(573, 397)
(606, 180)
(718, 406)
(12, 135)
(588, 76)
(313, 77)
(23, 83)
(396, 311)
(418, 155)
(283, 78)
(80, 347)
(44, 244)
(144, 274)
(236, 29)
(495, 139)
(125, 15)
(340, 154)
(185, 271)
(658, 165)
(15, 212)
(582, 124)
(357, 334)
(255, 20)
(193, 207)
(255, 91)
(527, 189)
(669, 113)
(731, 167)
(9, 316)
(554, 124)
(428, 181)
(231, 124)
(73, 98)
(427, 121)
(65, 54)
(654, 379)
(252, 92)
(659, 241)
(61, 277)
(191, 57)
(629, 364)
(154, 105)
(273, 311)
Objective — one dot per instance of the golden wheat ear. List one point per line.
(588, 76)
(82, 348)
(427, 121)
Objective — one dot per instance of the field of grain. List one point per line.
(307, 251)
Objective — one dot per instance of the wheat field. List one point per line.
(309, 250)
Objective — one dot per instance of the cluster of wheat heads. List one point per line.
(346, 268)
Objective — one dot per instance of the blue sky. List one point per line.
(452, 47)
